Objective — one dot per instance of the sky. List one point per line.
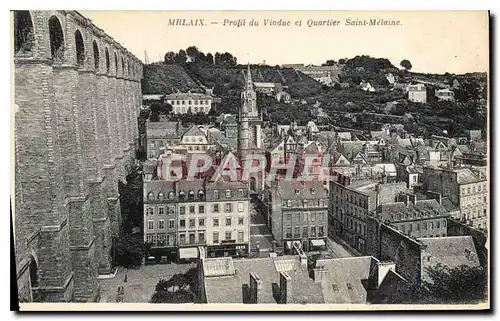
(434, 41)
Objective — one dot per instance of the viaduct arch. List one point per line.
(75, 138)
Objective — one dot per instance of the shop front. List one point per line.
(228, 248)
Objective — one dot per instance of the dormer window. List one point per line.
(182, 194)
(297, 191)
(216, 194)
(191, 194)
(313, 191)
(240, 193)
(201, 194)
(150, 196)
(305, 203)
(289, 203)
(171, 195)
(228, 193)
(161, 196)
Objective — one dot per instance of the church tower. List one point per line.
(249, 120)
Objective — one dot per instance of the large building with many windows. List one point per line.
(297, 213)
(160, 218)
(181, 216)
(182, 103)
(465, 187)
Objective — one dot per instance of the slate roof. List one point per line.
(156, 187)
(287, 190)
(422, 209)
(229, 286)
(194, 131)
(448, 205)
(467, 176)
(345, 278)
(351, 148)
(162, 129)
(183, 96)
(451, 251)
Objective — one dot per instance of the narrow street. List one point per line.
(260, 233)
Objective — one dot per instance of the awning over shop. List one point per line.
(320, 242)
(188, 252)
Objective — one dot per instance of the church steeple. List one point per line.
(249, 83)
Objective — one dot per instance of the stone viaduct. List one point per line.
(77, 96)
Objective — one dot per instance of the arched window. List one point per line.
(80, 48)
(24, 36)
(150, 196)
(201, 194)
(161, 196)
(96, 55)
(33, 272)
(56, 39)
(253, 184)
(171, 195)
(107, 61)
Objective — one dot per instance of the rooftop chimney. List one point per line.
(285, 288)
(320, 273)
(255, 288)
(378, 272)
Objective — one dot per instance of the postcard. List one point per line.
(250, 160)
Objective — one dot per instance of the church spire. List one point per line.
(249, 76)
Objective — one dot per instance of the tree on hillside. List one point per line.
(330, 62)
(181, 57)
(406, 64)
(169, 57)
(210, 59)
(217, 59)
(192, 51)
(342, 61)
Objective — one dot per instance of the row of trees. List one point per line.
(193, 54)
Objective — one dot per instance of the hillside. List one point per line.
(228, 82)
(165, 79)
(345, 105)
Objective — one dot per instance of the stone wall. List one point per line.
(388, 244)
(77, 95)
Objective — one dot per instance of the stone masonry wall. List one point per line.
(74, 119)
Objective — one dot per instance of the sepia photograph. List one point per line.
(250, 160)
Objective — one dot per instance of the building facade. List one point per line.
(182, 216)
(350, 205)
(445, 94)
(417, 93)
(297, 213)
(183, 103)
(467, 189)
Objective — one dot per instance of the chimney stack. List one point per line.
(378, 272)
(320, 273)
(255, 288)
(285, 288)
